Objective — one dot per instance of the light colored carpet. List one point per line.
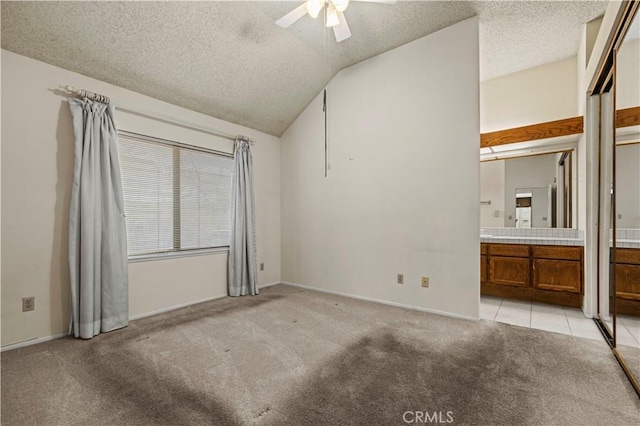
(296, 357)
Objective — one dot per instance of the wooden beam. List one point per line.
(550, 129)
(628, 117)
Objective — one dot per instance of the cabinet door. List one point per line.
(558, 275)
(483, 268)
(511, 271)
(628, 281)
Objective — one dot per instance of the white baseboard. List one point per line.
(268, 284)
(37, 340)
(174, 307)
(384, 302)
(30, 342)
(184, 305)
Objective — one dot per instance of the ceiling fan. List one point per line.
(334, 15)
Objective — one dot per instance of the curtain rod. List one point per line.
(152, 114)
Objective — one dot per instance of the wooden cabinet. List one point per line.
(512, 271)
(484, 275)
(628, 281)
(484, 269)
(557, 268)
(557, 275)
(511, 250)
(548, 274)
(557, 252)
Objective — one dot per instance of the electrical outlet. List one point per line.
(425, 282)
(28, 304)
(262, 266)
(400, 278)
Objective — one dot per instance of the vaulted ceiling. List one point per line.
(229, 60)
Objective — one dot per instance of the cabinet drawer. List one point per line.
(483, 248)
(628, 255)
(628, 281)
(556, 252)
(511, 250)
(511, 271)
(557, 275)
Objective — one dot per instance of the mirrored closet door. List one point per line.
(625, 224)
(616, 100)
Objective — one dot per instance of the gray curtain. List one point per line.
(97, 234)
(243, 277)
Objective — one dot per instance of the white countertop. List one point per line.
(509, 239)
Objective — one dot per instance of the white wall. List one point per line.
(528, 172)
(587, 42)
(627, 72)
(536, 95)
(492, 189)
(591, 33)
(402, 194)
(37, 168)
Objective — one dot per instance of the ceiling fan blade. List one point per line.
(293, 16)
(379, 1)
(341, 31)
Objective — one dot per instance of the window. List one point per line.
(176, 197)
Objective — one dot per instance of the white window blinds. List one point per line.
(176, 197)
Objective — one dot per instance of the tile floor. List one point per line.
(628, 330)
(557, 319)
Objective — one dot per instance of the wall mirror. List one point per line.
(534, 190)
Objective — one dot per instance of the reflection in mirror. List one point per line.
(627, 205)
(627, 254)
(534, 191)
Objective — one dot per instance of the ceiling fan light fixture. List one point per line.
(332, 17)
(314, 7)
(340, 5)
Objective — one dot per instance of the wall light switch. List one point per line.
(425, 282)
(262, 266)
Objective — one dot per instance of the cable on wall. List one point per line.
(324, 109)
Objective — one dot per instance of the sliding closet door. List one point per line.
(626, 206)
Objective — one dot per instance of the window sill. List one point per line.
(176, 254)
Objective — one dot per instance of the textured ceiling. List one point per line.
(229, 60)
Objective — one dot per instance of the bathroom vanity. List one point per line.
(540, 266)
